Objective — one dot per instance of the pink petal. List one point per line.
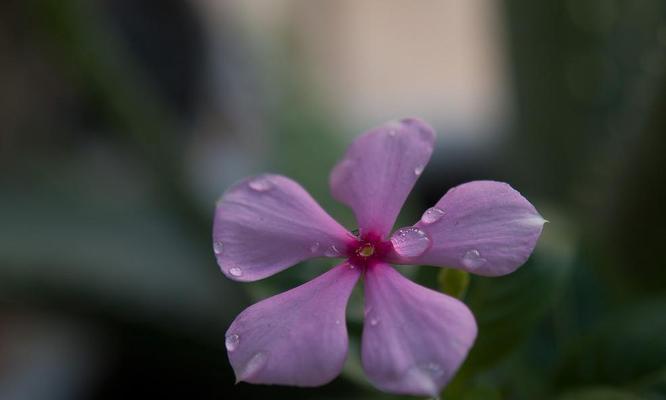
(380, 169)
(414, 339)
(268, 223)
(296, 338)
(483, 227)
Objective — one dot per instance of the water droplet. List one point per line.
(315, 247)
(472, 259)
(432, 215)
(337, 322)
(374, 321)
(231, 342)
(254, 365)
(410, 241)
(392, 132)
(332, 251)
(218, 246)
(261, 184)
(235, 271)
(418, 171)
(351, 266)
(427, 375)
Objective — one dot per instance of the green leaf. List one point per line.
(453, 282)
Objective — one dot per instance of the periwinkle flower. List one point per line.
(414, 339)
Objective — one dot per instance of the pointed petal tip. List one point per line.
(424, 363)
(295, 338)
(423, 128)
(534, 220)
(379, 170)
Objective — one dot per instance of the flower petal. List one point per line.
(483, 227)
(414, 339)
(268, 223)
(296, 338)
(380, 169)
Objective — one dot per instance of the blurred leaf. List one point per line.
(508, 308)
(621, 348)
(91, 239)
(453, 282)
(599, 393)
(652, 386)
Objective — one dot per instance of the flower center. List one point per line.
(367, 250)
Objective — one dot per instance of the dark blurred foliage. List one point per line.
(108, 286)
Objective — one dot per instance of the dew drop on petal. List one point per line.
(410, 241)
(332, 251)
(254, 365)
(218, 246)
(374, 321)
(432, 215)
(432, 369)
(472, 259)
(418, 171)
(231, 342)
(337, 322)
(261, 184)
(427, 376)
(235, 271)
(315, 247)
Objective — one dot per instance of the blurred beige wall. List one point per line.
(374, 60)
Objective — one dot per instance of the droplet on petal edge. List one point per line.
(426, 375)
(473, 260)
(218, 246)
(432, 215)
(261, 184)
(231, 342)
(332, 251)
(254, 365)
(410, 242)
(235, 271)
(418, 171)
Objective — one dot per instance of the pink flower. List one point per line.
(414, 339)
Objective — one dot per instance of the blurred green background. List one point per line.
(122, 122)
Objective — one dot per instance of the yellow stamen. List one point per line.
(366, 251)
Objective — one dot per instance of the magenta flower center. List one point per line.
(367, 250)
